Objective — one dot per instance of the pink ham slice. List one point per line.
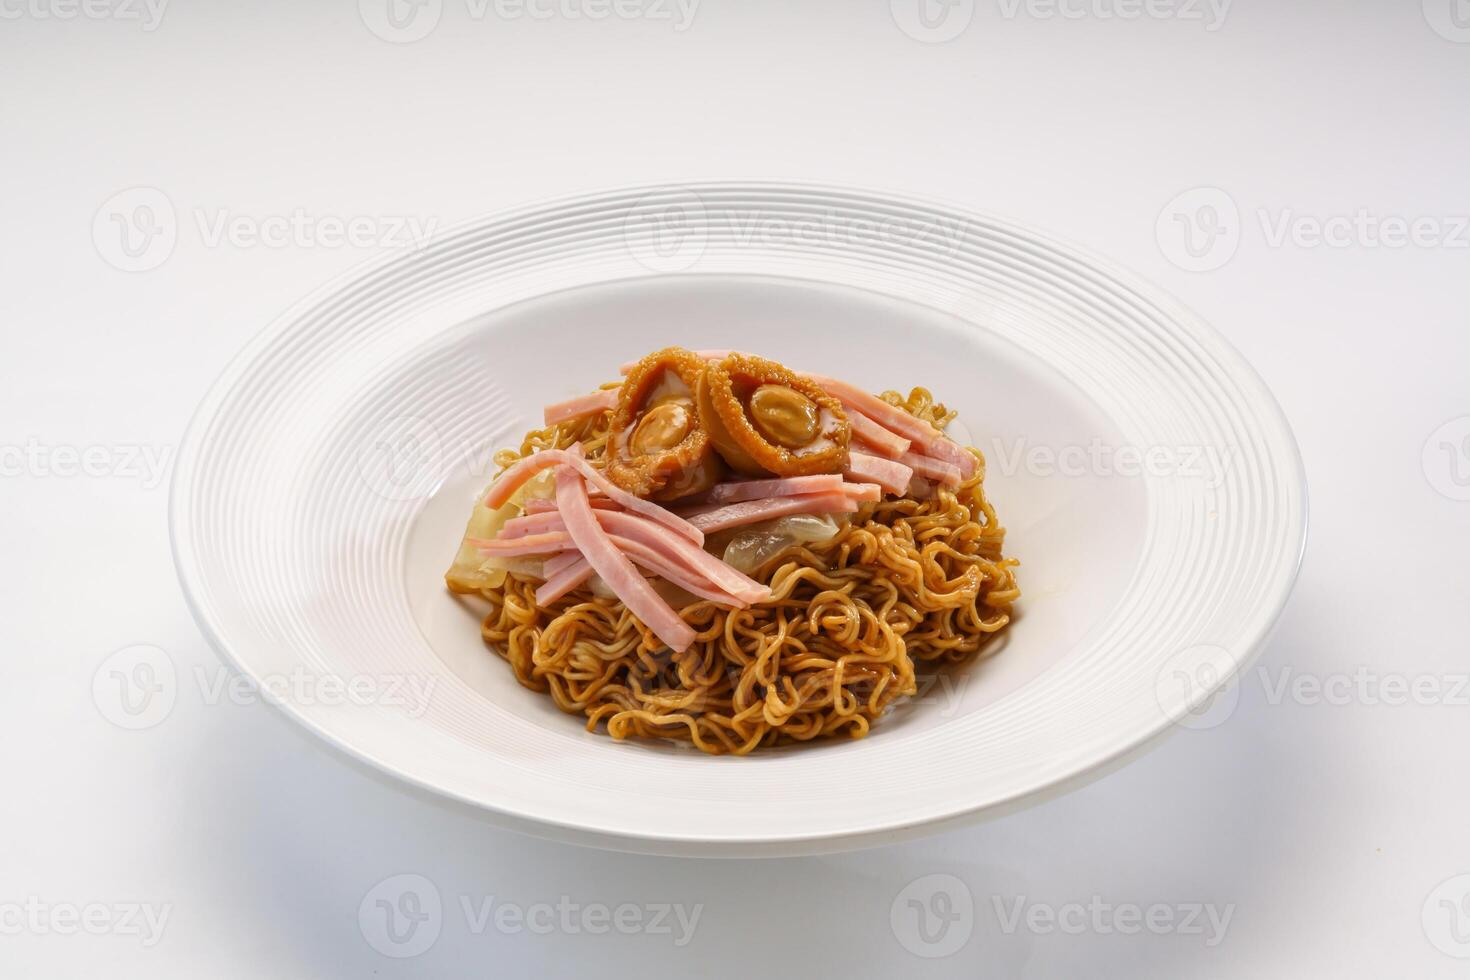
(531, 525)
(879, 439)
(514, 478)
(863, 492)
(751, 511)
(545, 505)
(556, 563)
(888, 474)
(547, 530)
(923, 435)
(933, 469)
(670, 570)
(544, 543)
(737, 490)
(566, 578)
(604, 400)
(569, 570)
(575, 570)
(616, 570)
(743, 587)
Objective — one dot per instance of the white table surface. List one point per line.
(1329, 828)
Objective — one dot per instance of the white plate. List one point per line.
(1150, 485)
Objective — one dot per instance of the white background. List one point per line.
(1324, 829)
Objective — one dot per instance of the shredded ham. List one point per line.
(863, 492)
(515, 477)
(547, 531)
(890, 475)
(923, 435)
(632, 526)
(575, 570)
(880, 440)
(565, 571)
(625, 581)
(669, 569)
(604, 400)
(751, 511)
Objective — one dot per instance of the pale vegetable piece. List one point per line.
(524, 566)
(751, 511)
(470, 572)
(752, 547)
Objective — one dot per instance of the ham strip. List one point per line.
(616, 570)
(514, 478)
(547, 531)
(546, 543)
(671, 571)
(923, 435)
(743, 587)
(604, 400)
(888, 474)
(737, 490)
(751, 511)
(879, 439)
(933, 469)
(556, 563)
(543, 505)
(741, 490)
(570, 569)
(564, 579)
(531, 524)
